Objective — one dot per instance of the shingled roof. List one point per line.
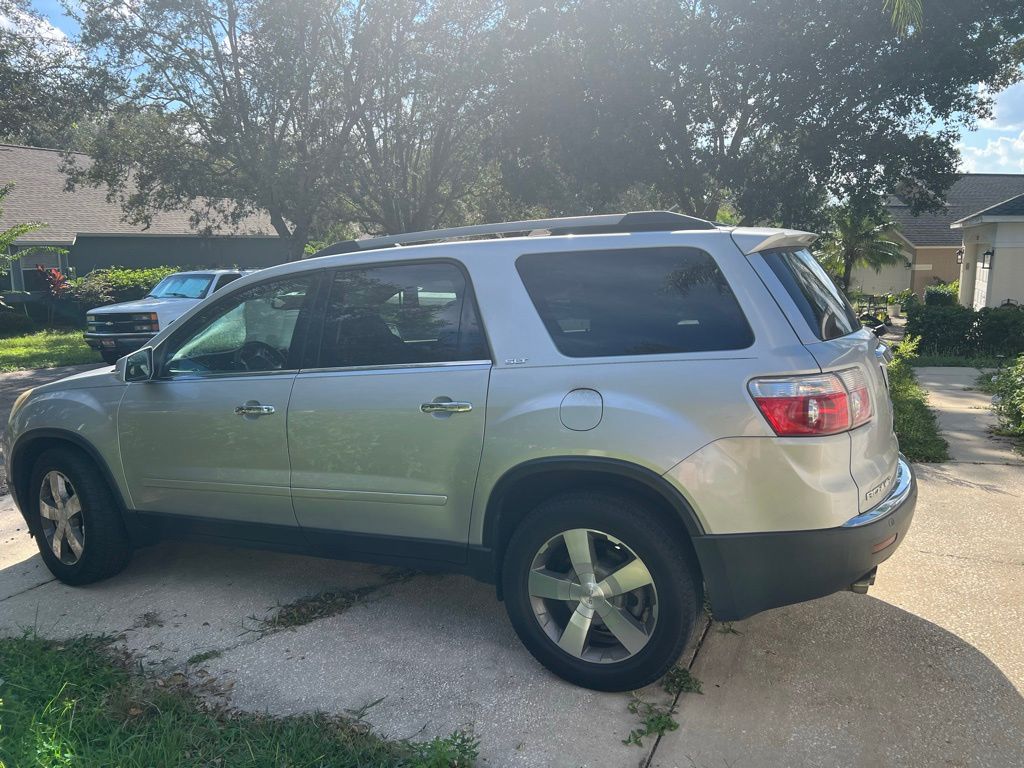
(971, 193)
(1012, 207)
(39, 195)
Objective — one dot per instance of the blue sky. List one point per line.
(996, 147)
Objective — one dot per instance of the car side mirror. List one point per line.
(138, 366)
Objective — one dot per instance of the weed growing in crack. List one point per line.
(308, 609)
(680, 680)
(199, 658)
(656, 720)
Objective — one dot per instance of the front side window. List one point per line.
(821, 303)
(398, 315)
(634, 302)
(251, 331)
(182, 287)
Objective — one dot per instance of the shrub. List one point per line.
(956, 330)
(905, 299)
(116, 284)
(945, 295)
(1008, 402)
(15, 324)
(914, 423)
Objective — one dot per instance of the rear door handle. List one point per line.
(254, 410)
(446, 407)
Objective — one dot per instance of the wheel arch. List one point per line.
(32, 444)
(524, 486)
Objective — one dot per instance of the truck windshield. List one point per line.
(182, 287)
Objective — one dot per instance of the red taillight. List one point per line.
(819, 404)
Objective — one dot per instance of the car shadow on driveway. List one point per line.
(847, 680)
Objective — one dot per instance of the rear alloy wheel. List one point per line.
(593, 596)
(600, 590)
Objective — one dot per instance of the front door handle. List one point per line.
(446, 407)
(250, 409)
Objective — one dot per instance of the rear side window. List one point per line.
(823, 306)
(634, 302)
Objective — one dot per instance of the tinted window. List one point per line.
(823, 306)
(254, 330)
(224, 280)
(401, 314)
(635, 302)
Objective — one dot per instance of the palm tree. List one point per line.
(905, 14)
(859, 237)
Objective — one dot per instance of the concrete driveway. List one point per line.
(927, 670)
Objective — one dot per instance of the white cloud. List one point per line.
(32, 26)
(1002, 154)
(1008, 110)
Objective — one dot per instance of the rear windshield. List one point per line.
(634, 302)
(823, 305)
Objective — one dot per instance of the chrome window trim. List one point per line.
(398, 366)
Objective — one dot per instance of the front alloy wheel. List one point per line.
(60, 511)
(593, 596)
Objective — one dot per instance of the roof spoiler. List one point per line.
(636, 221)
(755, 241)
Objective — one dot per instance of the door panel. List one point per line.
(185, 451)
(208, 436)
(366, 458)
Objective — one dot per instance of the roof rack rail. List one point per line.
(636, 221)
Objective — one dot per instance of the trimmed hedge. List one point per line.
(956, 330)
(116, 284)
(15, 324)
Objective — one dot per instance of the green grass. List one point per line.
(916, 425)
(73, 704)
(45, 349)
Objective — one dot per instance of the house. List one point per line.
(93, 233)
(992, 268)
(929, 244)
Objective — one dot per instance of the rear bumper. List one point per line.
(751, 572)
(120, 342)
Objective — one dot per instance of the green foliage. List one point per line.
(905, 298)
(656, 720)
(944, 295)
(116, 284)
(45, 349)
(711, 102)
(957, 330)
(15, 324)
(1008, 403)
(860, 234)
(72, 704)
(915, 424)
(46, 89)
(680, 680)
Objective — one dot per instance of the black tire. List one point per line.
(676, 579)
(106, 548)
(110, 357)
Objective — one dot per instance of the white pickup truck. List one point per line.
(117, 329)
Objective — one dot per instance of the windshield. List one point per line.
(182, 287)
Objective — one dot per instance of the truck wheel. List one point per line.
(599, 591)
(77, 524)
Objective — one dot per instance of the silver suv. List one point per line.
(606, 421)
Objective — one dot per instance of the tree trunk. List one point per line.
(847, 271)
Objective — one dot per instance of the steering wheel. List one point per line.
(259, 356)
